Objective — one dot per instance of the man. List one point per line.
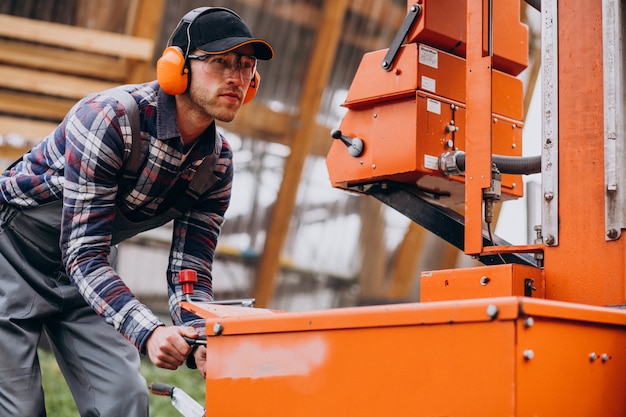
(67, 202)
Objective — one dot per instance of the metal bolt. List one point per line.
(529, 322)
(485, 280)
(374, 115)
(605, 357)
(611, 233)
(529, 354)
(492, 311)
(449, 144)
(373, 166)
(218, 328)
(514, 126)
(548, 196)
(549, 240)
(593, 357)
(495, 120)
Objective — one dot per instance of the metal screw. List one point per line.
(492, 311)
(218, 328)
(529, 322)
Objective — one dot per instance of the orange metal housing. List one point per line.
(442, 24)
(482, 282)
(414, 113)
(508, 356)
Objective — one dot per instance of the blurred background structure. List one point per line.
(290, 240)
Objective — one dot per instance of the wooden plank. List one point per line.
(30, 130)
(73, 37)
(21, 54)
(52, 84)
(34, 106)
(407, 261)
(322, 60)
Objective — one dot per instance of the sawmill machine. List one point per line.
(433, 129)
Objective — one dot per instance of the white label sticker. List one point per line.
(433, 106)
(428, 56)
(431, 162)
(429, 84)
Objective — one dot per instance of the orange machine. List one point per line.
(431, 123)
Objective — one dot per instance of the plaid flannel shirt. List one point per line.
(81, 162)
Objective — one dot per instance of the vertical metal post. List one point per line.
(550, 128)
(478, 124)
(614, 154)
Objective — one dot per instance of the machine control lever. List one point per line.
(355, 145)
(411, 17)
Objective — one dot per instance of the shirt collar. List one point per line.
(167, 128)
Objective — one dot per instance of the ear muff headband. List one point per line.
(172, 67)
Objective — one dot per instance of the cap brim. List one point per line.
(262, 49)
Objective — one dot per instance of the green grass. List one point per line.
(59, 402)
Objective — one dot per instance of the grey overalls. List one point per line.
(100, 366)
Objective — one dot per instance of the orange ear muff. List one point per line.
(172, 75)
(252, 88)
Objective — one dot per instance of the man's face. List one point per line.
(219, 82)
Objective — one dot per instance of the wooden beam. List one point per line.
(68, 86)
(405, 269)
(326, 44)
(373, 252)
(144, 23)
(97, 41)
(30, 130)
(21, 54)
(34, 105)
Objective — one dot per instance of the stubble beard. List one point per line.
(207, 103)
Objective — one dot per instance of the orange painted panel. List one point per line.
(442, 25)
(509, 356)
(481, 282)
(406, 117)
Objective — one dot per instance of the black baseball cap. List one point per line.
(217, 30)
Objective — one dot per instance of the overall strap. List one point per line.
(131, 168)
(202, 181)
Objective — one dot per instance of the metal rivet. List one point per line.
(484, 280)
(529, 354)
(492, 311)
(529, 322)
(218, 328)
(592, 356)
(605, 357)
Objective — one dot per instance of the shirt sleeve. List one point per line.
(194, 240)
(94, 152)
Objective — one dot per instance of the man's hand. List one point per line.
(167, 348)
(200, 357)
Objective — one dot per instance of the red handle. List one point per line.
(187, 277)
